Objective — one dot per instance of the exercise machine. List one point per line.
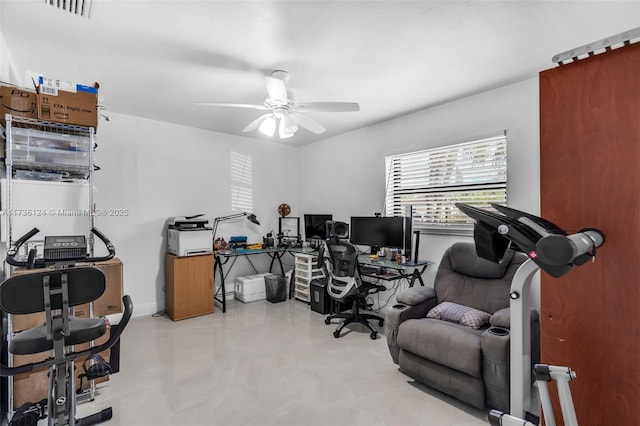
(549, 248)
(544, 374)
(55, 290)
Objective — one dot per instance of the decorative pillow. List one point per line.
(464, 315)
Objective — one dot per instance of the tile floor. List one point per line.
(265, 364)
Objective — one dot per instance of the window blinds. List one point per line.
(433, 180)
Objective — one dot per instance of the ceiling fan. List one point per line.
(283, 112)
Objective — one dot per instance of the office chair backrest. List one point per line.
(344, 258)
(343, 272)
(24, 294)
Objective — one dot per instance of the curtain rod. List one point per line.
(590, 49)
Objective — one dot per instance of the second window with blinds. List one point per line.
(433, 180)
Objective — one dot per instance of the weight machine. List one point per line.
(554, 251)
(56, 291)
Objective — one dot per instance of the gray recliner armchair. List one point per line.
(454, 337)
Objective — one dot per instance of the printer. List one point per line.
(189, 235)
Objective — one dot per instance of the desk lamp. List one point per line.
(250, 217)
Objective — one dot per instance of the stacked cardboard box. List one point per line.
(18, 102)
(69, 103)
(54, 100)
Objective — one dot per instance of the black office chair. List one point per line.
(55, 292)
(346, 286)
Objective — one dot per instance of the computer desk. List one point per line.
(223, 257)
(410, 270)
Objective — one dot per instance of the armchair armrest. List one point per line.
(416, 295)
(414, 302)
(501, 318)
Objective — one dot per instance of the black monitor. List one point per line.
(314, 225)
(376, 232)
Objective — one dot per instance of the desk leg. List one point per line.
(276, 255)
(417, 274)
(218, 264)
(291, 283)
(280, 262)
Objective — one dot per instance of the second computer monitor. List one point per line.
(377, 232)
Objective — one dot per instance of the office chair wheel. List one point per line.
(381, 322)
(327, 321)
(336, 334)
(374, 335)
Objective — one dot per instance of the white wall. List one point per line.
(156, 170)
(345, 175)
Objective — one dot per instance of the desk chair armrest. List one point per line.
(128, 310)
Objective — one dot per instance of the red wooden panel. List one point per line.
(589, 171)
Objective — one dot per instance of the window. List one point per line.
(241, 182)
(433, 180)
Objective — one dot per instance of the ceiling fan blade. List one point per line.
(256, 123)
(276, 90)
(328, 106)
(221, 104)
(308, 123)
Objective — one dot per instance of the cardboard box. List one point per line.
(18, 102)
(75, 105)
(109, 303)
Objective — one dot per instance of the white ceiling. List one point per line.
(155, 59)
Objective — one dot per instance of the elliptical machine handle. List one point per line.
(13, 251)
(107, 243)
(113, 339)
(40, 263)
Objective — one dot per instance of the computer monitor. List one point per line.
(376, 232)
(314, 225)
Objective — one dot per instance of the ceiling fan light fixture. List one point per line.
(268, 126)
(288, 126)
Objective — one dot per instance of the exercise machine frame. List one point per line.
(549, 248)
(61, 398)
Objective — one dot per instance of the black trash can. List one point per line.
(275, 288)
(320, 300)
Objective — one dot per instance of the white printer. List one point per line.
(189, 235)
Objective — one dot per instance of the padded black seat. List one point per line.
(25, 294)
(34, 340)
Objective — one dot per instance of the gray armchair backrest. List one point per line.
(467, 279)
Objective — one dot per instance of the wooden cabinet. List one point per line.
(188, 286)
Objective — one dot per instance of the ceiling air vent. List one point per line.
(77, 7)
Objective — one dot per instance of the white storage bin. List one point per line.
(250, 288)
(35, 148)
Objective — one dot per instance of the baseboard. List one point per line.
(146, 309)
